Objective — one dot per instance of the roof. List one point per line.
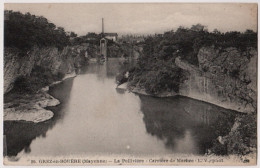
(110, 34)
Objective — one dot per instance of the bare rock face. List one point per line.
(224, 77)
(18, 65)
(29, 107)
(15, 65)
(230, 61)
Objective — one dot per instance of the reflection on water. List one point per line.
(19, 135)
(95, 118)
(185, 125)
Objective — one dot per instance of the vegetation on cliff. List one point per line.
(24, 31)
(156, 70)
(241, 139)
(37, 52)
(39, 78)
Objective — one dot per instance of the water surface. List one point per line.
(95, 118)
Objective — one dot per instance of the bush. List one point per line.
(39, 78)
(241, 140)
(218, 148)
(157, 77)
(244, 138)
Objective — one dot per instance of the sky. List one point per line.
(143, 18)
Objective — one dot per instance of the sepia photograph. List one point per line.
(106, 84)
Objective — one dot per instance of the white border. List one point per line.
(129, 1)
(109, 1)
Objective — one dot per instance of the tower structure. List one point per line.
(103, 43)
(103, 26)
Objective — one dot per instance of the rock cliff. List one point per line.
(226, 77)
(26, 73)
(18, 64)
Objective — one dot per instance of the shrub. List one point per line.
(39, 78)
(243, 139)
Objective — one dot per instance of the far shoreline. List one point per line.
(140, 91)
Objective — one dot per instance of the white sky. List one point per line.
(143, 18)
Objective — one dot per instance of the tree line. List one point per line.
(23, 31)
(186, 42)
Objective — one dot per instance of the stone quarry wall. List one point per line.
(18, 64)
(125, 50)
(227, 78)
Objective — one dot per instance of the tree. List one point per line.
(198, 27)
(72, 34)
(216, 31)
(24, 31)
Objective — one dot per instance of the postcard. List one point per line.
(130, 84)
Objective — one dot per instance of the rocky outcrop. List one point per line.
(124, 50)
(224, 77)
(27, 105)
(18, 64)
(15, 66)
